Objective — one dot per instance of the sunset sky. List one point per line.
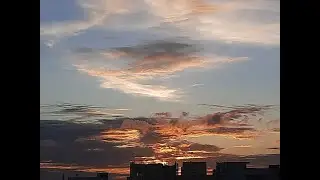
(158, 81)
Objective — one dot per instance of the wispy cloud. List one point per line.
(216, 20)
(95, 13)
(136, 69)
(243, 146)
(197, 84)
(167, 140)
(61, 166)
(225, 21)
(143, 63)
(80, 113)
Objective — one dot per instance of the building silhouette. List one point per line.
(230, 170)
(239, 171)
(100, 176)
(152, 172)
(198, 171)
(194, 171)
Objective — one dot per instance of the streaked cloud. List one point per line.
(226, 21)
(136, 69)
(80, 113)
(170, 141)
(216, 20)
(95, 13)
(243, 146)
(140, 65)
(61, 166)
(197, 85)
(273, 122)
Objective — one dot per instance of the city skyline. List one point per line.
(158, 80)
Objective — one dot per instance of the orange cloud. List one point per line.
(109, 169)
(166, 136)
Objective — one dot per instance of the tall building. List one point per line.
(239, 171)
(231, 170)
(152, 171)
(194, 169)
(198, 171)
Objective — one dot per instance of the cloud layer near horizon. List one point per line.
(111, 144)
(88, 135)
(162, 130)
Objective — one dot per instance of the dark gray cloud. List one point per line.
(151, 138)
(227, 130)
(160, 46)
(79, 112)
(202, 147)
(71, 150)
(70, 144)
(247, 108)
(48, 143)
(154, 128)
(236, 114)
(114, 141)
(170, 47)
(276, 129)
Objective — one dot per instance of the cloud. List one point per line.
(140, 65)
(81, 113)
(176, 10)
(126, 138)
(253, 21)
(95, 11)
(110, 145)
(233, 31)
(145, 69)
(155, 138)
(48, 143)
(197, 85)
(273, 122)
(243, 146)
(71, 151)
(231, 21)
(243, 112)
(130, 86)
(111, 169)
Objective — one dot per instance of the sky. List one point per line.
(158, 80)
